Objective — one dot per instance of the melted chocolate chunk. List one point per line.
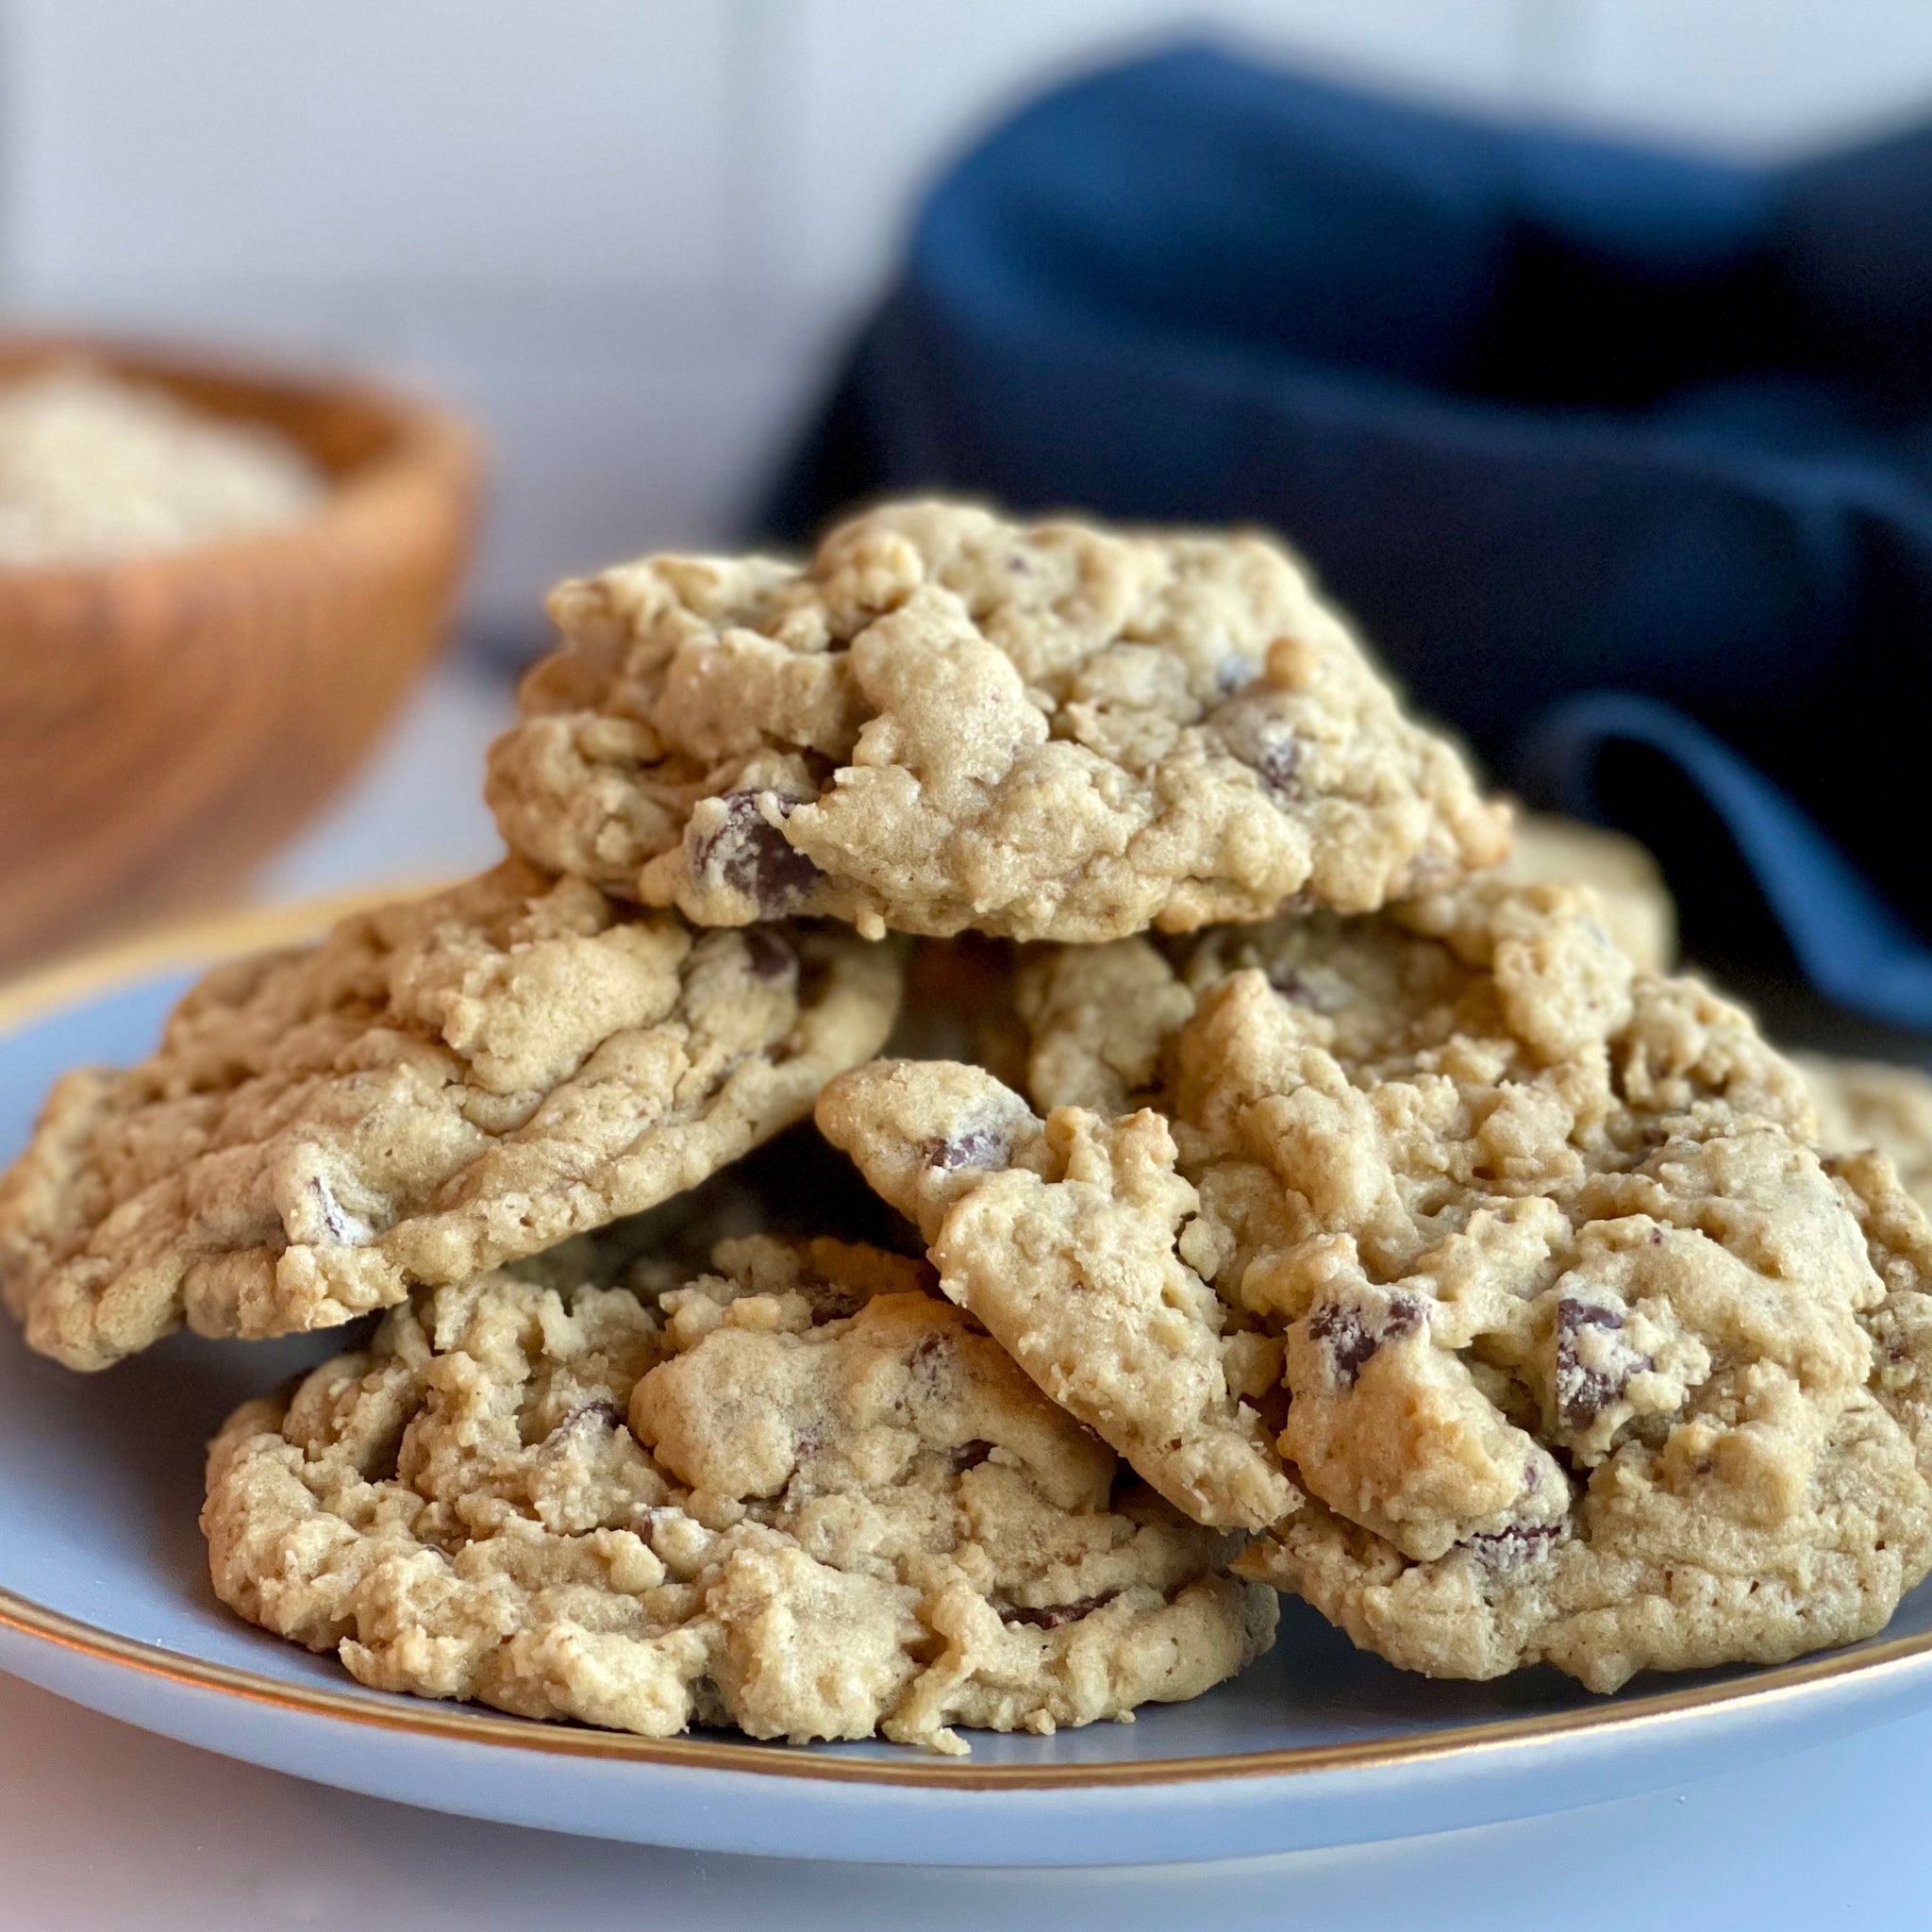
(1510, 1549)
(1584, 1390)
(1352, 1336)
(1265, 744)
(748, 853)
(970, 1456)
(1346, 1335)
(929, 1364)
(768, 956)
(1276, 763)
(1405, 1315)
(1051, 1616)
(979, 1147)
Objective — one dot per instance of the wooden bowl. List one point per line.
(165, 722)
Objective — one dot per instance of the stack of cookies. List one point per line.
(1276, 1185)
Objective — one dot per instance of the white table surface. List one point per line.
(102, 1827)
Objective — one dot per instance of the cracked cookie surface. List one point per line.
(945, 721)
(1059, 1237)
(438, 1086)
(802, 1495)
(1525, 1260)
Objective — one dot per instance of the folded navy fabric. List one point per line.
(1622, 459)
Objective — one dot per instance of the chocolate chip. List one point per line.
(1585, 1389)
(749, 855)
(1349, 1343)
(1275, 765)
(768, 956)
(1264, 742)
(1573, 1315)
(1050, 1616)
(970, 1456)
(1317, 996)
(970, 1147)
(603, 1411)
(1352, 1336)
(1510, 1549)
(832, 1301)
(1405, 1315)
(930, 1364)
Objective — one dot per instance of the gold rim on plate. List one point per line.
(68, 981)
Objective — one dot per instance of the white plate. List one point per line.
(104, 1597)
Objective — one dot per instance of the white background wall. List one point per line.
(630, 233)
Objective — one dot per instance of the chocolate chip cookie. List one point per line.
(437, 1086)
(1870, 1104)
(1637, 907)
(947, 722)
(803, 1495)
(1061, 1238)
(1517, 1263)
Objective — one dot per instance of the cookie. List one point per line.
(1898, 1236)
(1870, 1104)
(803, 1495)
(1638, 909)
(435, 1088)
(1059, 1237)
(796, 1185)
(1525, 1258)
(947, 722)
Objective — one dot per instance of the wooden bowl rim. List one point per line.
(430, 448)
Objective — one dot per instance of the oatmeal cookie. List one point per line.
(437, 1086)
(1898, 1235)
(1638, 909)
(947, 722)
(1526, 1257)
(1060, 1237)
(1870, 1104)
(802, 1495)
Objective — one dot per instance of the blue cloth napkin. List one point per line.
(1623, 458)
